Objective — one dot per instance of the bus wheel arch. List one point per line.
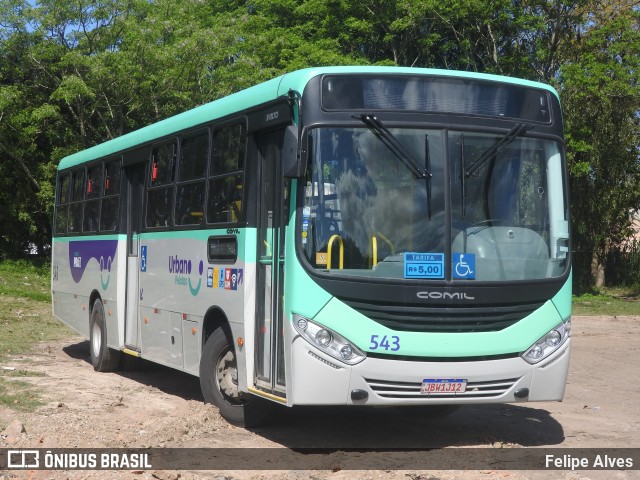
(214, 318)
(95, 295)
(103, 358)
(219, 376)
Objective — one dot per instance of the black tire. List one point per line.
(219, 384)
(103, 358)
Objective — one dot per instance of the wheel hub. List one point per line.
(96, 339)
(227, 375)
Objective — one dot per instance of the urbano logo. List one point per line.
(182, 269)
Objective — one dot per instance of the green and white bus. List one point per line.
(334, 236)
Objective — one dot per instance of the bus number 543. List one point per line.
(388, 343)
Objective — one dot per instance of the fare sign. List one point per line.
(423, 265)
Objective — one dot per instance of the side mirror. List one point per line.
(294, 163)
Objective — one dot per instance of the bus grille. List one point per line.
(488, 389)
(444, 318)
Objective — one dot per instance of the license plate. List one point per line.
(443, 386)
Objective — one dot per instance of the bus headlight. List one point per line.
(328, 341)
(549, 343)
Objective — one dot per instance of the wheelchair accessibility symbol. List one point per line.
(464, 266)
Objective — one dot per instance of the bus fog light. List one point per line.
(328, 341)
(548, 344)
(302, 323)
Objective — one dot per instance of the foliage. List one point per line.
(75, 73)
(623, 264)
(601, 96)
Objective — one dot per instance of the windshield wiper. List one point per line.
(392, 143)
(509, 137)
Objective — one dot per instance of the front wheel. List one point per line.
(219, 384)
(103, 358)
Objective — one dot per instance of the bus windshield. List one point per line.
(365, 210)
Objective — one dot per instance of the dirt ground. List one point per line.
(157, 407)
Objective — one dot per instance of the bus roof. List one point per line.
(261, 93)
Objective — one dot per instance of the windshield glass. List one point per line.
(367, 213)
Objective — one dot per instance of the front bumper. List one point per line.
(318, 379)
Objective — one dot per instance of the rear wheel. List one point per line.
(219, 384)
(103, 358)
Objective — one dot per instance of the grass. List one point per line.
(608, 301)
(25, 279)
(21, 373)
(25, 321)
(19, 395)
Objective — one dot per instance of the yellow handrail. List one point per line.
(388, 242)
(374, 247)
(341, 262)
(374, 251)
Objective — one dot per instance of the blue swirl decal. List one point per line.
(82, 251)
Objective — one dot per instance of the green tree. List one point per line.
(601, 95)
(25, 121)
(74, 73)
(44, 103)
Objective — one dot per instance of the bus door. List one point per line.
(135, 178)
(272, 212)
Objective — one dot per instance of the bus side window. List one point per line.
(226, 177)
(75, 207)
(192, 167)
(110, 203)
(92, 204)
(162, 164)
(62, 204)
(161, 192)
